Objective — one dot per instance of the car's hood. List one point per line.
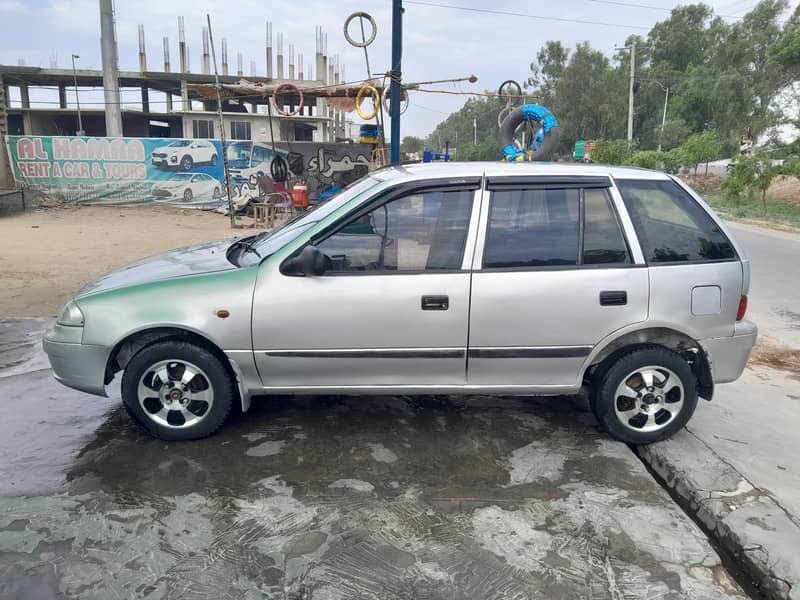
(192, 260)
(166, 150)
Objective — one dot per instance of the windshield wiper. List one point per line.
(248, 246)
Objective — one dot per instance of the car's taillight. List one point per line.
(742, 308)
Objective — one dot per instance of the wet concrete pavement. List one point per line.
(331, 497)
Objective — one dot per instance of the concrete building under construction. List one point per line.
(166, 102)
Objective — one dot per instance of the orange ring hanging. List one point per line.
(287, 86)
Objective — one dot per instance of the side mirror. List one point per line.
(310, 262)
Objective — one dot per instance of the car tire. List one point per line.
(187, 195)
(216, 193)
(207, 394)
(213, 160)
(646, 395)
(186, 163)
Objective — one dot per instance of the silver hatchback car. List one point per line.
(455, 279)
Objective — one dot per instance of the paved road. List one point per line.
(775, 281)
(324, 498)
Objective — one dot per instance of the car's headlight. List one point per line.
(71, 315)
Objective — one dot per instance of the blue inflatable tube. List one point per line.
(545, 142)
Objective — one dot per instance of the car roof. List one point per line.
(438, 170)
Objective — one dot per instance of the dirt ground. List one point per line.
(46, 255)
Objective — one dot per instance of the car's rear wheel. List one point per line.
(186, 163)
(187, 195)
(178, 390)
(647, 395)
(213, 160)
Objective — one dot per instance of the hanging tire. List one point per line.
(505, 134)
(178, 390)
(645, 396)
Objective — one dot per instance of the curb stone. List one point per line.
(745, 520)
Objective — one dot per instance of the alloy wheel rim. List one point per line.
(648, 399)
(175, 394)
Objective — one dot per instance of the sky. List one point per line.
(440, 42)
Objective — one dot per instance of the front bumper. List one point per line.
(728, 356)
(76, 365)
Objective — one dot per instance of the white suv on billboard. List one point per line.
(184, 154)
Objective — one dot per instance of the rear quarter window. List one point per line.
(671, 226)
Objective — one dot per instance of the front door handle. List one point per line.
(435, 302)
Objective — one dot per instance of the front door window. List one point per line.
(423, 231)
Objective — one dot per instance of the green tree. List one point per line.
(753, 175)
(645, 159)
(700, 148)
(459, 126)
(786, 50)
(411, 143)
(611, 152)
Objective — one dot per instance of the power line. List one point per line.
(648, 6)
(525, 15)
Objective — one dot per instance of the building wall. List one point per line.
(283, 129)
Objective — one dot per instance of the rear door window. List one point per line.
(541, 227)
(603, 242)
(671, 226)
(533, 228)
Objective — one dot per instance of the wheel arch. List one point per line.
(680, 342)
(132, 343)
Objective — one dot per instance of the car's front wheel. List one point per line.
(186, 163)
(187, 195)
(647, 395)
(178, 390)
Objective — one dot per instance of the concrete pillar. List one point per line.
(145, 99)
(62, 96)
(3, 110)
(27, 125)
(187, 106)
(142, 51)
(269, 49)
(24, 97)
(169, 102)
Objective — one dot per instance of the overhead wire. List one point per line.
(525, 15)
(649, 6)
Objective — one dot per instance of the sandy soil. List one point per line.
(47, 255)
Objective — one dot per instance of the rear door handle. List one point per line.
(614, 298)
(435, 302)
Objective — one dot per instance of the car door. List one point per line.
(393, 306)
(553, 276)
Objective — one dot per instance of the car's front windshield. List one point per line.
(268, 243)
(178, 144)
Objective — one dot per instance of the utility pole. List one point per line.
(108, 48)
(663, 119)
(225, 168)
(397, 57)
(80, 131)
(630, 92)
